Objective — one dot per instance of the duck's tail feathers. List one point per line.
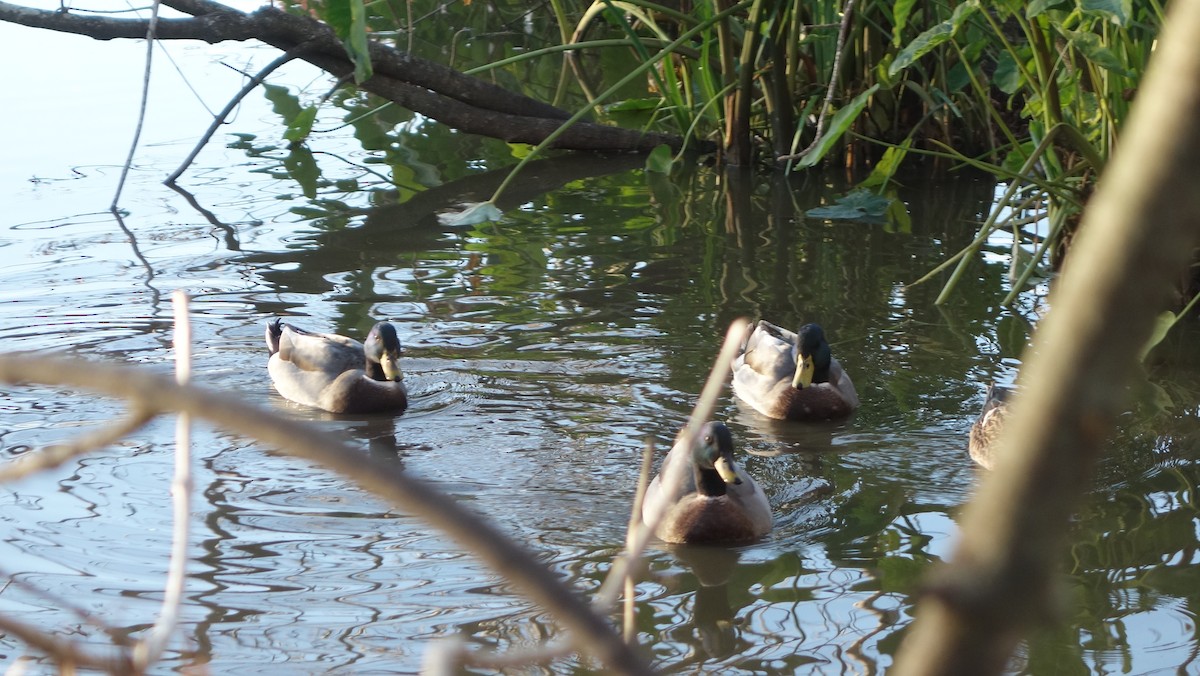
(274, 331)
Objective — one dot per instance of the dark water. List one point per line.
(540, 352)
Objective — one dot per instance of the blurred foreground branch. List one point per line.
(592, 633)
(1137, 234)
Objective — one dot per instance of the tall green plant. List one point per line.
(1055, 75)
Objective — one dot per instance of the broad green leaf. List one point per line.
(1038, 7)
(283, 102)
(300, 127)
(920, 46)
(660, 160)
(898, 218)
(1090, 45)
(1007, 76)
(1162, 326)
(837, 126)
(520, 150)
(1015, 159)
(958, 77)
(348, 19)
(860, 205)
(480, 212)
(923, 43)
(302, 167)
(336, 13)
(243, 142)
(1116, 11)
(900, 13)
(887, 165)
(357, 46)
(370, 134)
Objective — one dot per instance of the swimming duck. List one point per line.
(987, 426)
(792, 376)
(712, 501)
(336, 373)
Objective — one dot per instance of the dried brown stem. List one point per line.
(65, 652)
(150, 649)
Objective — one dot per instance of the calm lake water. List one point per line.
(540, 352)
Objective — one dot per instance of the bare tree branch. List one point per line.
(65, 652)
(219, 118)
(460, 101)
(1137, 234)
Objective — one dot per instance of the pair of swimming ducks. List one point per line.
(781, 374)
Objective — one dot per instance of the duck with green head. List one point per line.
(336, 373)
(702, 496)
(792, 376)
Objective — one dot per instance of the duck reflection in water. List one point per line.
(713, 614)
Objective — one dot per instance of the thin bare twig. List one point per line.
(635, 517)
(148, 651)
(65, 652)
(117, 636)
(453, 653)
(151, 29)
(640, 536)
(219, 118)
(847, 15)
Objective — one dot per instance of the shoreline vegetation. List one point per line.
(1034, 94)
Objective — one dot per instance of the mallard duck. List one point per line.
(792, 376)
(987, 426)
(336, 373)
(711, 502)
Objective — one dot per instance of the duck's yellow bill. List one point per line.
(391, 368)
(804, 372)
(727, 471)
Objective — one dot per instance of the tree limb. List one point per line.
(431, 89)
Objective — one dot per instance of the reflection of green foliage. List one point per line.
(860, 205)
(285, 104)
(302, 167)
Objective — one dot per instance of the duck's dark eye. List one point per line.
(708, 439)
